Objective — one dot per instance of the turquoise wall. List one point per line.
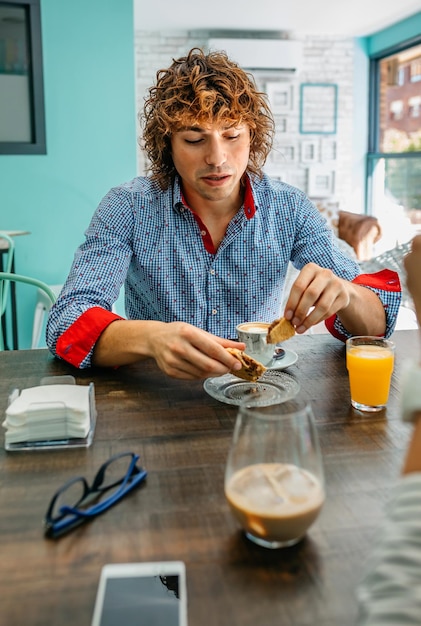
(89, 80)
(394, 35)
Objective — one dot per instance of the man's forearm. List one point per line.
(123, 342)
(365, 315)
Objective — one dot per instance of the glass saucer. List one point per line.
(274, 385)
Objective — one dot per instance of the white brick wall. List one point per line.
(326, 59)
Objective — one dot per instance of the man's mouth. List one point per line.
(216, 178)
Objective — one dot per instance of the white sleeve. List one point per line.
(390, 592)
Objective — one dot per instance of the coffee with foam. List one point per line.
(275, 501)
(254, 334)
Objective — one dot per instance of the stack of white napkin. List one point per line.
(48, 412)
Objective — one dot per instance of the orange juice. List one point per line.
(370, 368)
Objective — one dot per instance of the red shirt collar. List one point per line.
(249, 209)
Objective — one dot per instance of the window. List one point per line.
(396, 110)
(22, 125)
(394, 157)
(415, 106)
(416, 70)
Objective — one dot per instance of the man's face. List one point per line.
(211, 160)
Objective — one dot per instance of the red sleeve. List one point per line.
(385, 280)
(77, 341)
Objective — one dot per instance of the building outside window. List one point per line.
(394, 157)
(415, 70)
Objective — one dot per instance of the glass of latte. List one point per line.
(274, 481)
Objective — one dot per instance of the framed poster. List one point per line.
(280, 96)
(318, 108)
(309, 151)
(281, 124)
(280, 157)
(22, 119)
(321, 182)
(328, 150)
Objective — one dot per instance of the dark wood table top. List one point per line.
(183, 436)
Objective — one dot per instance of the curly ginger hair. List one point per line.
(204, 89)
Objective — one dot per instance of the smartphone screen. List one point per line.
(141, 600)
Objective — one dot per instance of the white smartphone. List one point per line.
(142, 594)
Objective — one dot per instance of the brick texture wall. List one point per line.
(326, 59)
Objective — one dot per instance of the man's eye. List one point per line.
(233, 136)
(193, 140)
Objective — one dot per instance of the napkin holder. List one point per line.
(64, 440)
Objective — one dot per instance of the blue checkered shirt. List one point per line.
(148, 240)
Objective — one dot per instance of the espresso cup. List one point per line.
(254, 334)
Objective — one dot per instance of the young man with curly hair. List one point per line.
(203, 243)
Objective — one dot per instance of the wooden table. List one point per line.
(183, 436)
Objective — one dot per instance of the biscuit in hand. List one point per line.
(280, 330)
(251, 369)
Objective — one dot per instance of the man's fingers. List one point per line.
(192, 353)
(316, 294)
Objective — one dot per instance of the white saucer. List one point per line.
(274, 386)
(280, 364)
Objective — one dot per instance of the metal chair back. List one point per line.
(7, 277)
(7, 246)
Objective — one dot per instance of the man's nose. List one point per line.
(216, 154)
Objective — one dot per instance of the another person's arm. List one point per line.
(413, 456)
(412, 264)
(390, 592)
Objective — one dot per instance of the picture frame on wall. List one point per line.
(284, 152)
(318, 108)
(281, 124)
(280, 96)
(22, 115)
(320, 182)
(281, 157)
(328, 150)
(309, 152)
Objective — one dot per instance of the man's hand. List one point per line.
(412, 263)
(318, 293)
(180, 350)
(184, 351)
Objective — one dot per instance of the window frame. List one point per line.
(37, 145)
(373, 153)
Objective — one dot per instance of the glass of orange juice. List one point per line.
(369, 361)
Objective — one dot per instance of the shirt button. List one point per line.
(212, 272)
(214, 311)
(203, 233)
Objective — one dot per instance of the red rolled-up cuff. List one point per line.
(77, 341)
(385, 280)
